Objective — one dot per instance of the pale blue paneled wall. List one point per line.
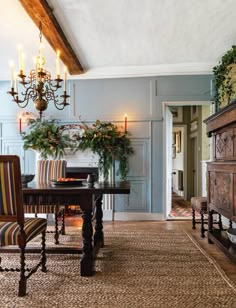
(109, 99)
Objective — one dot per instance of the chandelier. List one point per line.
(39, 86)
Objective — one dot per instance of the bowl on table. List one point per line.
(26, 178)
(231, 232)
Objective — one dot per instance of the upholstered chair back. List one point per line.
(47, 170)
(14, 228)
(11, 204)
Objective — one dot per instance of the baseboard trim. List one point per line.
(138, 216)
(108, 215)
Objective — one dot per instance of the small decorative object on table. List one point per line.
(91, 179)
(26, 178)
(231, 235)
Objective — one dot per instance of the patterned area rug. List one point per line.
(182, 208)
(135, 269)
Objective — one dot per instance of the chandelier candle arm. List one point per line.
(39, 86)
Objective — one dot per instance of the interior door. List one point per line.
(168, 155)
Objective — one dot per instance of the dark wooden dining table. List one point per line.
(89, 198)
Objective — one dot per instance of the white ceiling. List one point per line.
(127, 37)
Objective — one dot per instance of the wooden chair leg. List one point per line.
(220, 223)
(193, 219)
(22, 282)
(43, 253)
(63, 232)
(202, 226)
(56, 236)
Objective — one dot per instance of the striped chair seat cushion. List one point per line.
(43, 209)
(9, 231)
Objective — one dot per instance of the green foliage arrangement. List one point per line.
(109, 142)
(224, 81)
(46, 137)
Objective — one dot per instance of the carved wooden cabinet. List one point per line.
(221, 174)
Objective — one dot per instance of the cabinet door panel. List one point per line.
(220, 145)
(221, 191)
(229, 143)
(225, 145)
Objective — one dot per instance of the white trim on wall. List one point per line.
(165, 161)
(125, 216)
(146, 70)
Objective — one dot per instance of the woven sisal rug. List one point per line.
(135, 269)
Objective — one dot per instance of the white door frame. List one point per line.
(165, 105)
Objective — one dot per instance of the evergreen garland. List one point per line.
(110, 143)
(46, 137)
(223, 82)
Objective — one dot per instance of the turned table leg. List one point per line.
(86, 262)
(98, 235)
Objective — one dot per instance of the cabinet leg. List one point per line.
(210, 225)
(193, 219)
(202, 225)
(220, 223)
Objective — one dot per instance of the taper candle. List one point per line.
(126, 123)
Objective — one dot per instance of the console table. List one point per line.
(221, 175)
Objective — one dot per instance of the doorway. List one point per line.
(191, 147)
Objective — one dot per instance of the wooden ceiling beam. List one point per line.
(40, 11)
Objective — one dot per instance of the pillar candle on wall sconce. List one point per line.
(125, 122)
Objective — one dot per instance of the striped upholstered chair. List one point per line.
(47, 170)
(14, 228)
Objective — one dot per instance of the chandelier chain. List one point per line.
(40, 32)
